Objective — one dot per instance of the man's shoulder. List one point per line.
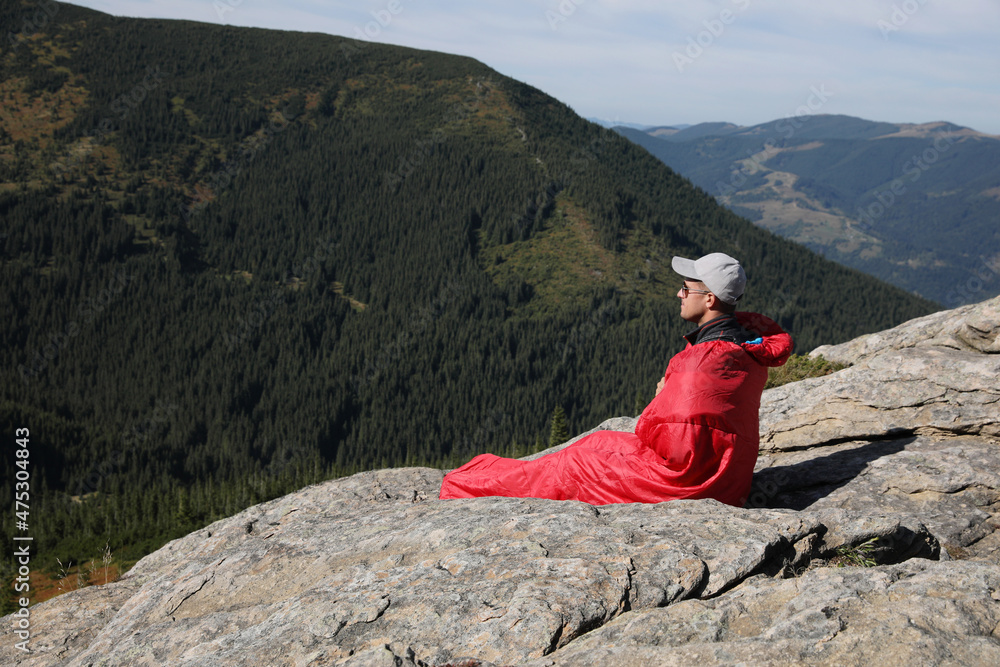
(708, 354)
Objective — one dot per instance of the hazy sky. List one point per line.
(661, 62)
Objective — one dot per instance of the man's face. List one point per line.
(694, 300)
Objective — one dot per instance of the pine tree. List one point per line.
(182, 517)
(559, 432)
(641, 401)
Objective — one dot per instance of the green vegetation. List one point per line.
(799, 367)
(859, 555)
(559, 432)
(239, 261)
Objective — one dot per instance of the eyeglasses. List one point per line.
(685, 290)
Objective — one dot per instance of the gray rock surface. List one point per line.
(951, 486)
(343, 570)
(971, 328)
(915, 613)
(861, 466)
(934, 375)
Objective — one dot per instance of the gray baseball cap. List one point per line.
(722, 274)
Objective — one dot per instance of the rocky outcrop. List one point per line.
(972, 328)
(949, 485)
(899, 483)
(374, 560)
(934, 375)
(915, 613)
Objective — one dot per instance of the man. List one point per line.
(698, 438)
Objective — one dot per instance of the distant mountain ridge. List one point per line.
(617, 123)
(914, 204)
(824, 126)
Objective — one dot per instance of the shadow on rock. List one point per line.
(796, 480)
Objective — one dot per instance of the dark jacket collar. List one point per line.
(723, 327)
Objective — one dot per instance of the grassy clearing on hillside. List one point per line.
(799, 367)
(564, 262)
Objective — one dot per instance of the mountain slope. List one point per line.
(244, 260)
(915, 205)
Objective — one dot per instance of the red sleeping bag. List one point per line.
(697, 439)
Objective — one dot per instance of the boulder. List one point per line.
(933, 375)
(972, 328)
(949, 486)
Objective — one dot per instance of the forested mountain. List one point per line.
(914, 205)
(237, 261)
